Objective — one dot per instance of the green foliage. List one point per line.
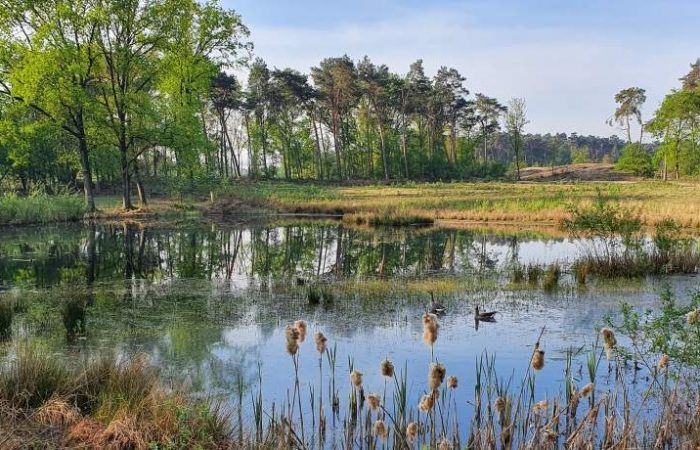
(40, 208)
(672, 328)
(580, 155)
(635, 159)
(74, 315)
(6, 313)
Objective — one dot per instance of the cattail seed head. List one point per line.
(693, 316)
(373, 400)
(430, 322)
(427, 402)
(540, 406)
(430, 337)
(663, 362)
(320, 340)
(291, 333)
(452, 382)
(538, 360)
(387, 368)
(292, 347)
(300, 326)
(412, 431)
(500, 404)
(444, 444)
(586, 390)
(436, 375)
(380, 430)
(608, 338)
(356, 378)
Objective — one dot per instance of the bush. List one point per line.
(635, 159)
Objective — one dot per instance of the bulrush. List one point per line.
(608, 338)
(320, 340)
(292, 336)
(444, 444)
(663, 362)
(540, 406)
(300, 326)
(427, 402)
(499, 405)
(373, 400)
(356, 378)
(412, 431)
(538, 359)
(693, 316)
(430, 329)
(452, 382)
(586, 390)
(387, 368)
(436, 375)
(380, 430)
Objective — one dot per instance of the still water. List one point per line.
(209, 303)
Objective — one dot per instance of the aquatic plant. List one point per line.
(6, 314)
(74, 314)
(551, 278)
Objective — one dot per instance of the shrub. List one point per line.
(74, 316)
(635, 159)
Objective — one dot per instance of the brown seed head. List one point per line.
(412, 431)
(586, 390)
(538, 360)
(430, 337)
(444, 444)
(320, 340)
(663, 362)
(356, 378)
(373, 400)
(540, 406)
(500, 404)
(436, 375)
(291, 333)
(452, 382)
(427, 402)
(692, 317)
(380, 430)
(300, 326)
(609, 340)
(387, 368)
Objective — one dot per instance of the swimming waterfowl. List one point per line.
(484, 316)
(434, 307)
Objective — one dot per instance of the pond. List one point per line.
(209, 303)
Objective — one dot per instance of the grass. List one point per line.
(6, 314)
(539, 203)
(104, 404)
(42, 208)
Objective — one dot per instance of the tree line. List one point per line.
(675, 127)
(106, 93)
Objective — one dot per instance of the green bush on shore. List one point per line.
(41, 208)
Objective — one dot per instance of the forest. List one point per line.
(114, 96)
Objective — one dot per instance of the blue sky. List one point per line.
(567, 58)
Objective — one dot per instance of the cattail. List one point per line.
(430, 322)
(380, 429)
(586, 390)
(426, 403)
(300, 326)
(412, 431)
(550, 435)
(292, 347)
(538, 359)
(444, 444)
(387, 368)
(663, 362)
(540, 406)
(320, 340)
(452, 382)
(500, 404)
(693, 316)
(373, 400)
(430, 337)
(436, 375)
(356, 378)
(291, 333)
(608, 338)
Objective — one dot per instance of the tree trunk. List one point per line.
(319, 166)
(87, 175)
(385, 162)
(336, 144)
(139, 185)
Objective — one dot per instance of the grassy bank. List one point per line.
(103, 404)
(15, 210)
(545, 203)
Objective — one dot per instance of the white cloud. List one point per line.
(568, 77)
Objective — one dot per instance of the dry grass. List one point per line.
(533, 203)
(103, 405)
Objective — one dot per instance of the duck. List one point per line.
(434, 307)
(484, 316)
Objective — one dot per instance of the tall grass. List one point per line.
(6, 314)
(40, 208)
(104, 404)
